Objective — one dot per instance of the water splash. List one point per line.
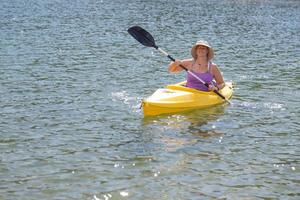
(272, 106)
(105, 197)
(133, 103)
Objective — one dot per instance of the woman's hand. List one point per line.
(212, 87)
(174, 66)
(177, 62)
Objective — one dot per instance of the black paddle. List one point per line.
(146, 39)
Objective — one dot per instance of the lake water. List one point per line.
(71, 83)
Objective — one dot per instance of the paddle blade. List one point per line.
(142, 36)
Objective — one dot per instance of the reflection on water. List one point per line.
(185, 129)
(192, 122)
(206, 134)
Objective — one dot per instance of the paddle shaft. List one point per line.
(194, 75)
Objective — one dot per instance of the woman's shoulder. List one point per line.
(214, 66)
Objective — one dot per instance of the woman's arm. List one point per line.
(218, 77)
(174, 66)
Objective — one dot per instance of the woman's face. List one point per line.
(202, 50)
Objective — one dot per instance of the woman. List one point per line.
(201, 65)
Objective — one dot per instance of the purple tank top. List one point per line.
(192, 82)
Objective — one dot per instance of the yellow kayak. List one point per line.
(177, 97)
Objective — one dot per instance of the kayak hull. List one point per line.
(177, 98)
